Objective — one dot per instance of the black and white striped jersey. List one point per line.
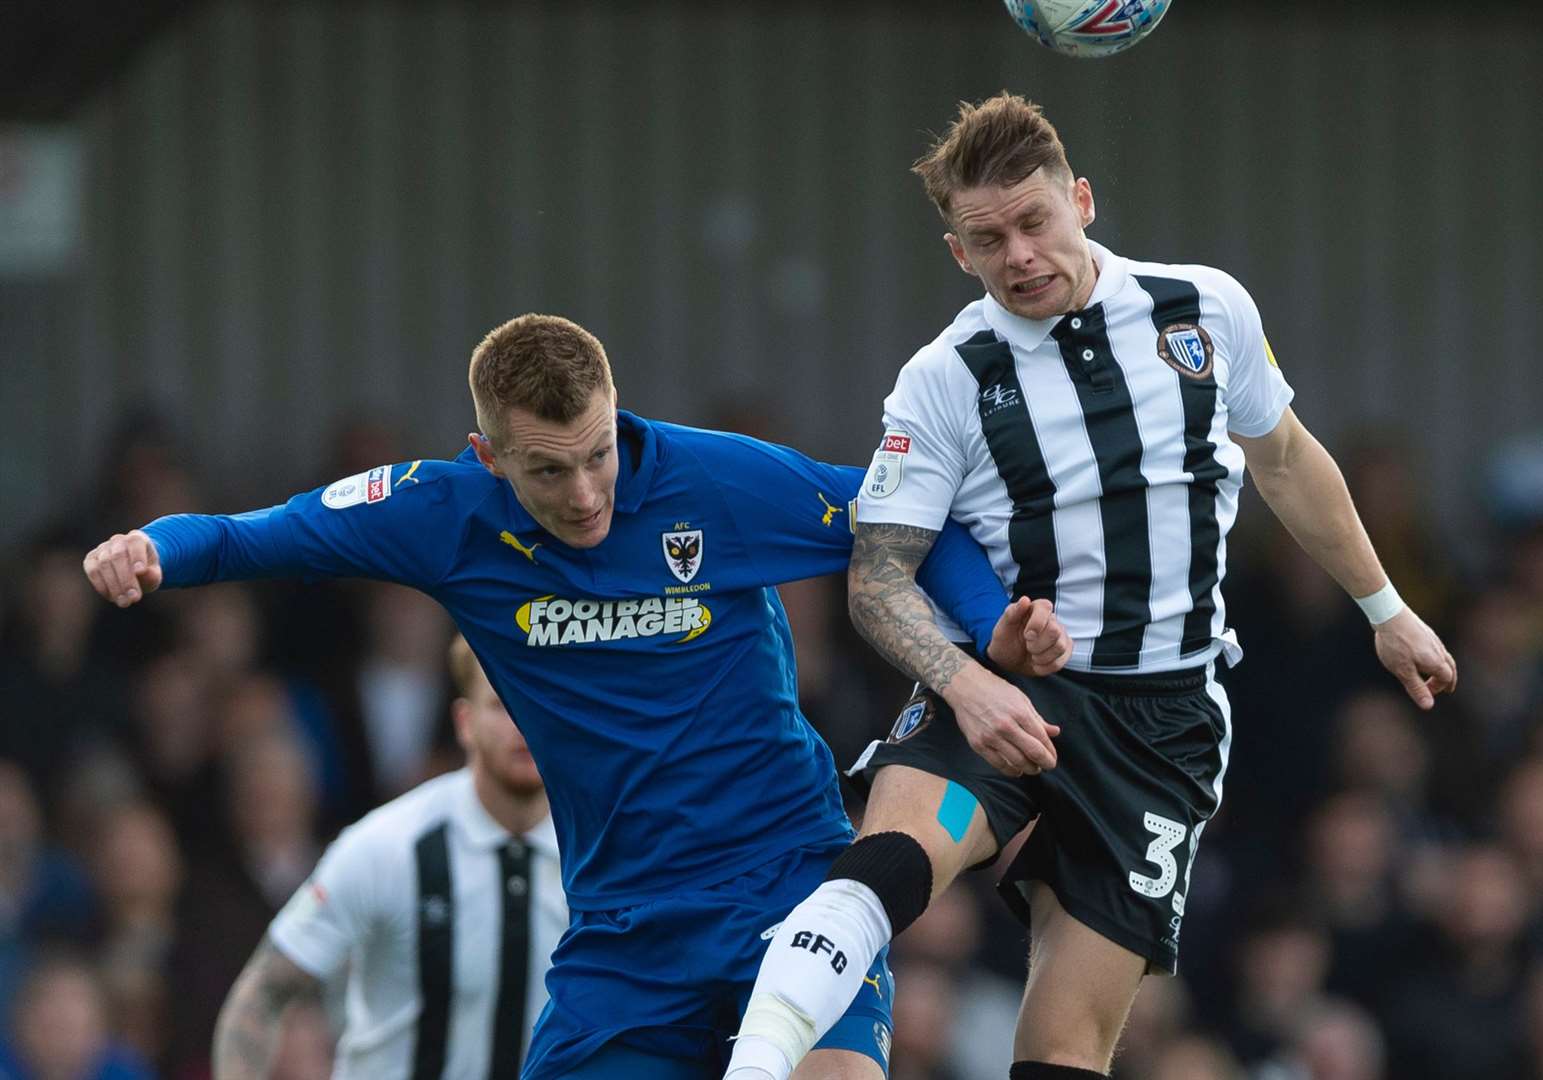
(445, 925)
(1089, 454)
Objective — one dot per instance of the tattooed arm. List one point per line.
(247, 1034)
(891, 611)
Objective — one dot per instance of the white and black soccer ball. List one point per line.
(1087, 28)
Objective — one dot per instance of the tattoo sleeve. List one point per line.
(247, 1032)
(890, 609)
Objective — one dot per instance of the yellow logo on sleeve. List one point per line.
(1269, 354)
(830, 511)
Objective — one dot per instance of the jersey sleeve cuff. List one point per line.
(917, 518)
(1277, 409)
(309, 960)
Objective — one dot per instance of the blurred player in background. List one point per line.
(1089, 420)
(443, 905)
(614, 576)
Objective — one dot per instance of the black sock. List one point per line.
(1039, 1070)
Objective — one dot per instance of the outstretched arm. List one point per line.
(247, 1033)
(1304, 487)
(356, 527)
(890, 610)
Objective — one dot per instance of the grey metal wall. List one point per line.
(303, 210)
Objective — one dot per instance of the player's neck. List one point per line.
(518, 812)
(1085, 294)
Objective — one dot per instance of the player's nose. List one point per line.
(585, 496)
(1020, 251)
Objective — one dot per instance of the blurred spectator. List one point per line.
(58, 695)
(402, 687)
(1351, 854)
(221, 629)
(1159, 1015)
(262, 702)
(1193, 1057)
(44, 895)
(143, 475)
(947, 937)
(361, 442)
(95, 785)
(1459, 1015)
(1497, 715)
(174, 746)
(1386, 753)
(139, 1007)
(1520, 818)
(271, 803)
(59, 1030)
(1383, 750)
(1281, 965)
(1338, 1041)
(1379, 469)
(138, 874)
(1532, 1023)
(1307, 648)
(926, 1008)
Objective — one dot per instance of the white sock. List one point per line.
(813, 968)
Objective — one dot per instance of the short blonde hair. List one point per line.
(1001, 141)
(543, 363)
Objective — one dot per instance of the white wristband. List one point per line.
(1381, 605)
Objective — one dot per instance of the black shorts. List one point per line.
(1139, 767)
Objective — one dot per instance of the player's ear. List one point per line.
(484, 450)
(1082, 198)
(957, 250)
(460, 716)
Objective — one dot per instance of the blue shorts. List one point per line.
(671, 978)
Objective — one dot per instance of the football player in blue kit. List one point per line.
(614, 577)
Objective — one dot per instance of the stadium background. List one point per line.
(246, 248)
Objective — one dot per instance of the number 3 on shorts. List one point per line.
(1168, 834)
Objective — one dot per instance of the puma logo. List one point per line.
(529, 552)
(830, 511)
(873, 981)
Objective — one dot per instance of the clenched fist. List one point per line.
(125, 568)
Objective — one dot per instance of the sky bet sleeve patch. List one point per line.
(366, 487)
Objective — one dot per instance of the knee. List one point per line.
(896, 868)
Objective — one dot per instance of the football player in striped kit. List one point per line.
(1089, 420)
(443, 907)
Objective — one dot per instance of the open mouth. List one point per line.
(588, 522)
(1033, 286)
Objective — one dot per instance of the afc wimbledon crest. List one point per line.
(1186, 348)
(683, 553)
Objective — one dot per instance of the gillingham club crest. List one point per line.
(1186, 348)
(683, 552)
(912, 718)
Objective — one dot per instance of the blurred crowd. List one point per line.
(1366, 904)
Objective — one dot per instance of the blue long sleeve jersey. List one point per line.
(652, 675)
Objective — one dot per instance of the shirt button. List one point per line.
(1076, 324)
(1087, 356)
